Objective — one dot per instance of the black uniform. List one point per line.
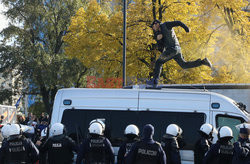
(43, 156)
(17, 149)
(60, 149)
(146, 151)
(241, 152)
(4, 140)
(220, 153)
(96, 149)
(125, 148)
(200, 148)
(171, 147)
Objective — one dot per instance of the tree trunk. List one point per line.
(154, 10)
(52, 96)
(160, 10)
(45, 96)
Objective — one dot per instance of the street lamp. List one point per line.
(124, 41)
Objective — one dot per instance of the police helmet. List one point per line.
(174, 130)
(44, 132)
(5, 131)
(225, 132)
(96, 128)
(207, 129)
(57, 129)
(131, 129)
(100, 121)
(14, 129)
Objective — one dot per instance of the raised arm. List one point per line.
(172, 24)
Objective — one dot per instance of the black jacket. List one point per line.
(200, 149)
(125, 148)
(18, 149)
(171, 147)
(169, 37)
(219, 153)
(60, 149)
(146, 151)
(241, 152)
(96, 148)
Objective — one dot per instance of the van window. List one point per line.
(230, 121)
(77, 123)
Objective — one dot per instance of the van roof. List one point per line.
(136, 89)
(119, 92)
(200, 86)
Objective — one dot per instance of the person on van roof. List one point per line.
(96, 148)
(203, 144)
(132, 135)
(147, 150)
(242, 146)
(222, 151)
(169, 46)
(170, 144)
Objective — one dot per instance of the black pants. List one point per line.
(174, 53)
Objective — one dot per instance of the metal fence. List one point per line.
(8, 113)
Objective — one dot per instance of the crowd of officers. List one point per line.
(97, 149)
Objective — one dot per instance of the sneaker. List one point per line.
(153, 82)
(207, 62)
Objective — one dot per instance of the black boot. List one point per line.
(153, 82)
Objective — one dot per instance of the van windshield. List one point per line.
(77, 122)
(231, 121)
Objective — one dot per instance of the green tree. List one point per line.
(5, 96)
(37, 108)
(36, 54)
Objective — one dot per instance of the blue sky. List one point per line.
(4, 21)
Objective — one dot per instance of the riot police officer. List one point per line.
(204, 143)
(222, 151)
(132, 135)
(170, 144)
(18, 149)
(42, 138)
(59, 147)
(96, 149)
(146, 151)
(43, 155)
(5, 132)
(242, 146)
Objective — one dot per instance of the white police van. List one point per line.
(76, 107)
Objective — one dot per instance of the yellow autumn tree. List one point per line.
(230, 24)
(95, 36)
